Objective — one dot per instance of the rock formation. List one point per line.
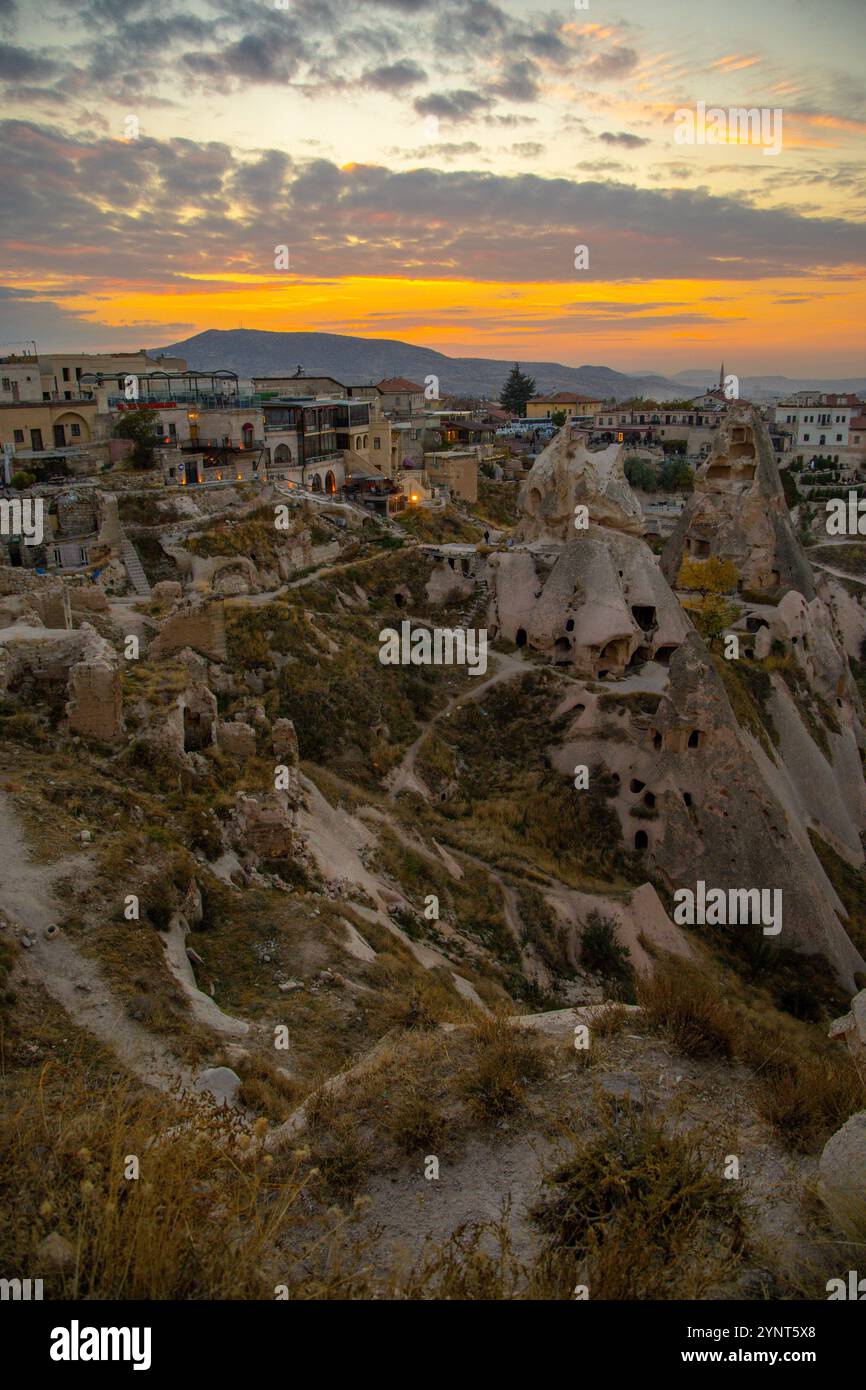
(695, 792)
(566, 475)
(738, 512)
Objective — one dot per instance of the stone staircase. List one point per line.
(474, 607)
(134, 568)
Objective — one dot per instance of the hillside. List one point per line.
(389, 956)
(356, 361)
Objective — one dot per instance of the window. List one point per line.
(377, 443)
(18, 436)
(67, 395)
(65, 373)
(75, 429)
(7, 384)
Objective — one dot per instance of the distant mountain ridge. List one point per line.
(357, 361)
(769, 387)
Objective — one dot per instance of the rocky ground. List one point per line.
(376, 997)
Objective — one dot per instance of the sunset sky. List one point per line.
(431, 168)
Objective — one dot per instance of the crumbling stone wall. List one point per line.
(197, 623)
(89, 665)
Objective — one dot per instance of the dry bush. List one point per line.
(504, 1060)
(641, 1212)
(806, 1096)
(679, 1001)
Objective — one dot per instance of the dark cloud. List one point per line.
(615, 63)
(452, 106)
(623, 138)
(20, 63)
(152, 213)
(519, 82)
(395, 77)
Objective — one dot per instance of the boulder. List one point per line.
(221, 1083)
(842, 1176)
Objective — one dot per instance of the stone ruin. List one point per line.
(198, 623)
(79, 660)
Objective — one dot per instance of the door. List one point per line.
(59, 437)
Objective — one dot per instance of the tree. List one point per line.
(712, 576)
(641, 474)
(21, 480)
(558, 418)
(139, 426)
(518, 389)
(675, 475)
(713, 579)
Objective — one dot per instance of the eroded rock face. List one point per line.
(567, 474)
(693, 798)
(851, 1029)
(598, 603)
(738, 512)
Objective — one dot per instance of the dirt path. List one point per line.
(74, 981)
(403, 777)
(839, 574)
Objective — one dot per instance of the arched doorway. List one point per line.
(316, 482)
(330, 483)
(248, 434)
(281, 454)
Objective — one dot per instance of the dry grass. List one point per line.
(203, 1219)
(679, 1001)
(641, 1212)
(505, 1061)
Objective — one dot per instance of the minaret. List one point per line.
(722, 378)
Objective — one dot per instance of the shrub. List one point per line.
(679, 1001)
(600, 951)
(506, 1059)
(639, 1207)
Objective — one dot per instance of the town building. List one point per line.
(574, 406)
(68, 376)
(820, 423)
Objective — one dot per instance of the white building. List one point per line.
(820, 425)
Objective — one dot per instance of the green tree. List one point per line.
(139, 426)
(518, 389)
(20, 480)
(675, 475)
(641, 474)
(558, 418)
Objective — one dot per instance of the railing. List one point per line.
(196, 445)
